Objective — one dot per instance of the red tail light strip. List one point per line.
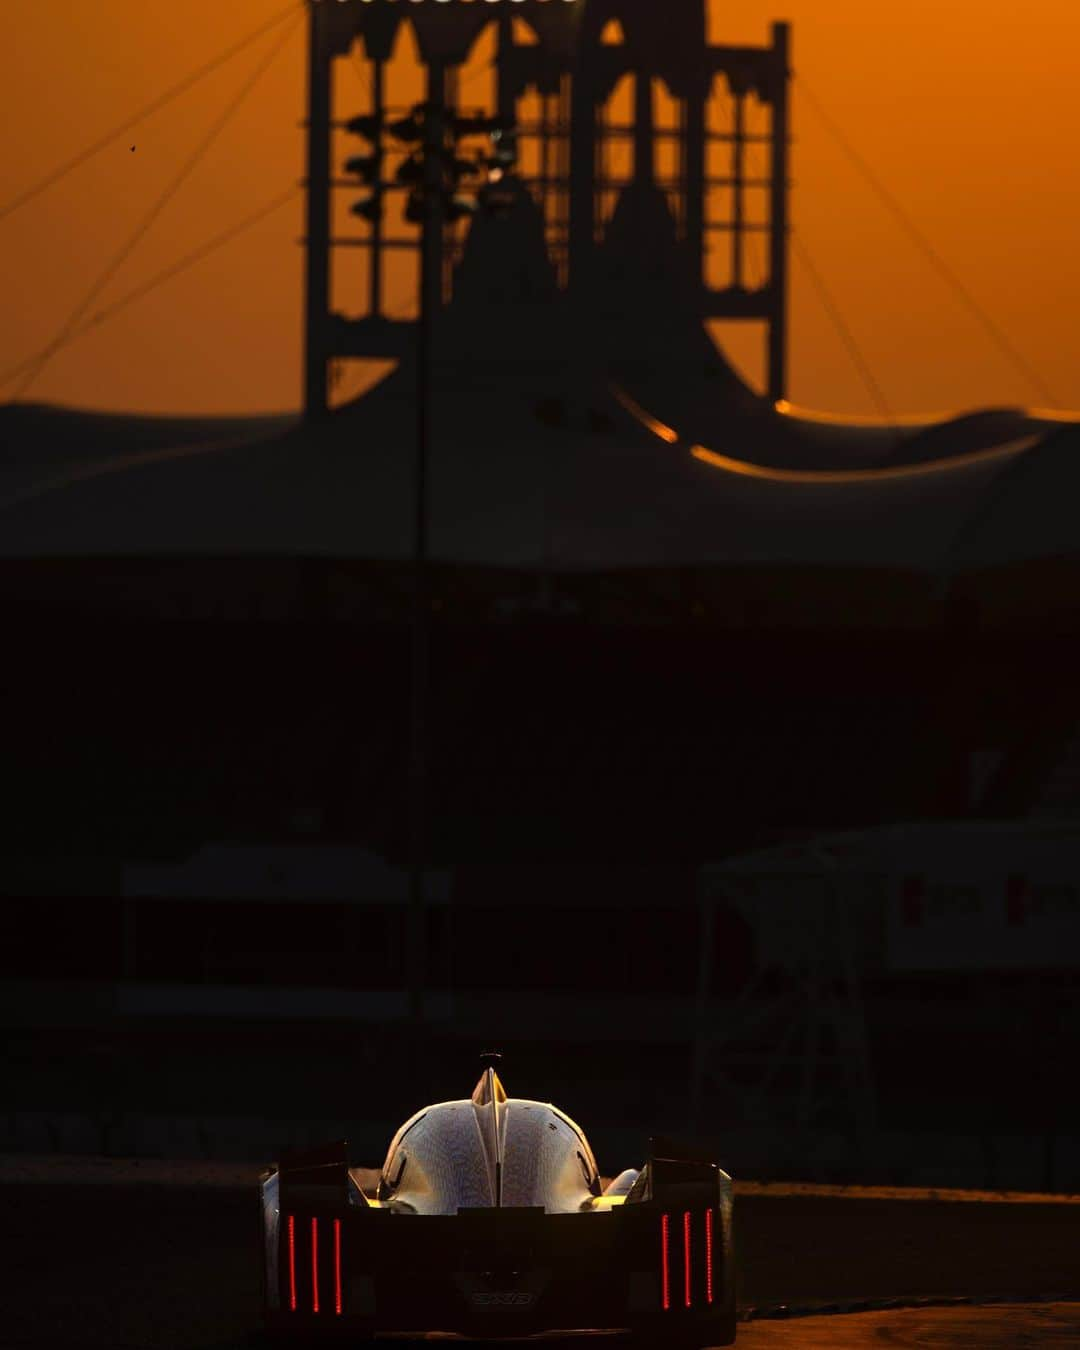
(686, 1257)
(337, 1268)
(314, 1265)
(665, 1261)
(708, 1256)
(292, 1263)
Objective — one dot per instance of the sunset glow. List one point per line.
(966, 112)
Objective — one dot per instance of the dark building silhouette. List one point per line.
(672, 618)
(680, 579)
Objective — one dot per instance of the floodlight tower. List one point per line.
(702, 114)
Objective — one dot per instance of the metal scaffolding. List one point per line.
(790, 1049)
(555, 71)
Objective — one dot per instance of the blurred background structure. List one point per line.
(752, 749)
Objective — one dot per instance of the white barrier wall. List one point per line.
(983, 897)
(979, 895)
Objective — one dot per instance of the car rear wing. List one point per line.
(315, 1179)
(674, 1172)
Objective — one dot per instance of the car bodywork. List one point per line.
(490, 1219)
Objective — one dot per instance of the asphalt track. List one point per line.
(135, 1267)
(1003, 1327)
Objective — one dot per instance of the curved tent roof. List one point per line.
(539, 461)
(515, 484)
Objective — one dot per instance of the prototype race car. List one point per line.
(478, 1227)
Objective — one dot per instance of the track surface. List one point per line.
(1006, 1327)
(169, 1268)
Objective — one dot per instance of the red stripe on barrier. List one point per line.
(665, 1263)
(708, 1256)
(337, 1267)
(314, 1265)
(292, 1263)
(686, 1257)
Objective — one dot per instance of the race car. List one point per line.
(490, 1220)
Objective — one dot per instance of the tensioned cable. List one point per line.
(166, 274)
(175, 269)
(480, 70)
(145, 224)
(846, 335)
(360, 67)
(895, 207)
(174, 92)
(188, 260)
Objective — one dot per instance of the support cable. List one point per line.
(158, 279)
(929, 252)
(151, 216)
(188, 260)
(846, 335)
(170, 94)
(404, 309)
(360, 67)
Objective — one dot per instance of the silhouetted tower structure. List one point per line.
(608, 95)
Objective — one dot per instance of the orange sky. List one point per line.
(969, 111)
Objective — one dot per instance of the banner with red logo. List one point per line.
(977, 897)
